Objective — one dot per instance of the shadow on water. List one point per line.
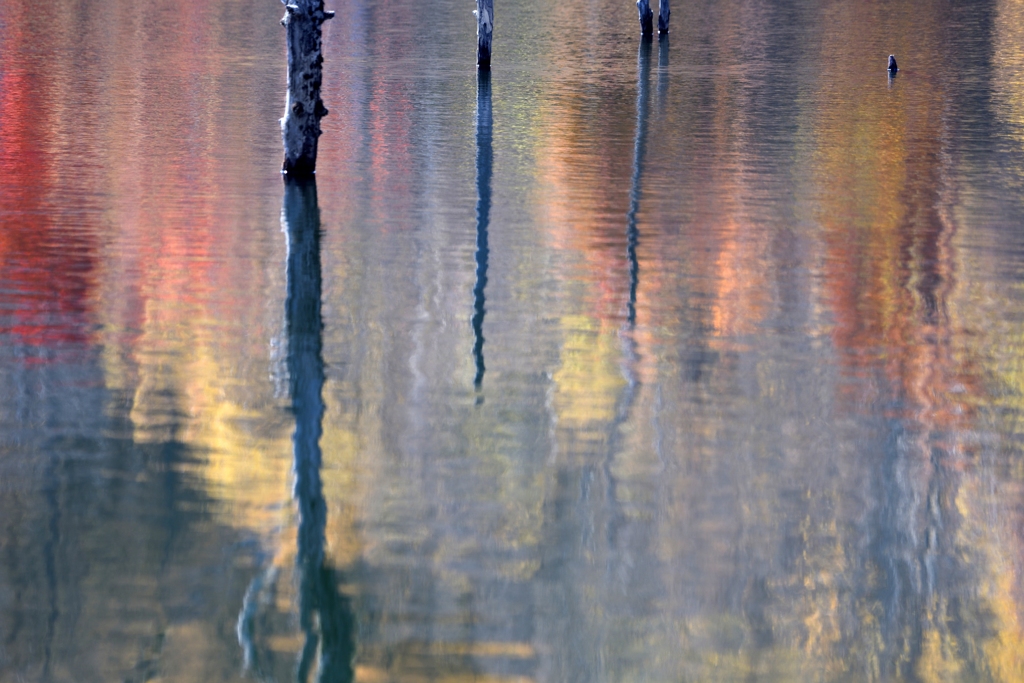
(484, 161)
(326, 616)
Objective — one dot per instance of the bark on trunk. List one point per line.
(300, 127)
(484, 28)
(646, 17)
(663, 14)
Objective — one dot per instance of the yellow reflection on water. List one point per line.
(589, 377)
(919, 327)
(1008, 60)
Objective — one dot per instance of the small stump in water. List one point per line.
(484, 30)
(300, 127)
(646, 17)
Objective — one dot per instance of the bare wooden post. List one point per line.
(646, 17)
(663, 14)
(300, 126)
(484, 28)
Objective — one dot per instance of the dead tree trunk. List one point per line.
(646, 17)
(663, 14)
(300, 126)
(484, 28)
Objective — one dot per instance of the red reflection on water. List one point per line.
(46, 265)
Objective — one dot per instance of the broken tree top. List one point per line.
(300, 126)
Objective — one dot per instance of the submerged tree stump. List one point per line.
(484, 29)
(300, 126)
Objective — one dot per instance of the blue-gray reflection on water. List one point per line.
(484, 169)
(753, 364)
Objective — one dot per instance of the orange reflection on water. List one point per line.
(892, 281)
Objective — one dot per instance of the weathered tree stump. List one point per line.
(300, 126)
(484, 29)
(646, 17)
(664, 11)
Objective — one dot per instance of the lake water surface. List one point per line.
(699, 359)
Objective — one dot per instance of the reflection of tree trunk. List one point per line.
(663, 45)
(300, 126)
(639, 149)
(484, 121)
(484, 30)
(305, 361)
(306, 375)
(50, 550)
(325, 615)
(619, 559)
(616, 517)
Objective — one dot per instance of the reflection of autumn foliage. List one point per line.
(47, 260)
(891, 284)
(720, 474)
(890, 260)
(585, 174)
(136, 218)
(890, 276)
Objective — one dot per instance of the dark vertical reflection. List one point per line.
(50, 553)
(663, 44)
(305, 362)
(639, 149)
(325, 616)
(484, 158)
(617, 518)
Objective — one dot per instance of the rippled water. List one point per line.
(692, 360)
